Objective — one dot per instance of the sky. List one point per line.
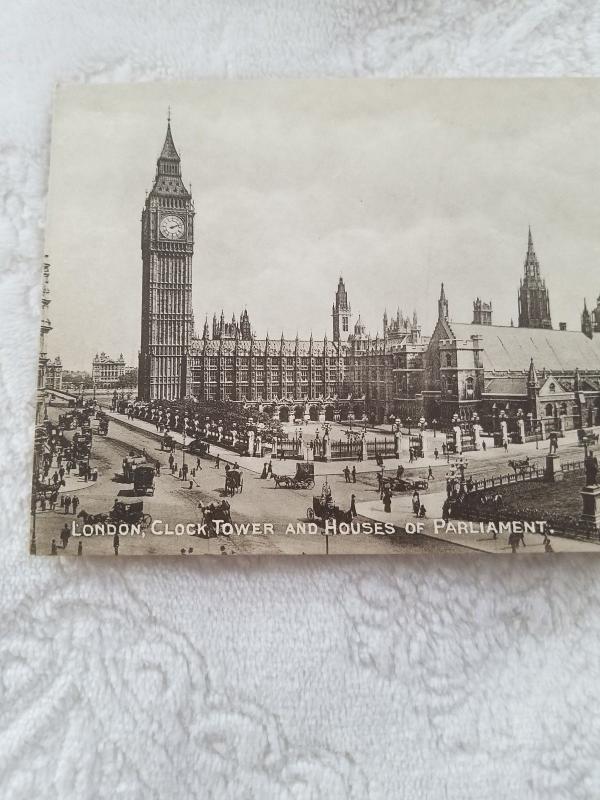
(395, 185)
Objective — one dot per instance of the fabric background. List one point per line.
(463, 678)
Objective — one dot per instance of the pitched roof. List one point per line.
(168, 150)
(506, 384)
(508, 349)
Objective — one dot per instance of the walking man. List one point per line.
(430, 474)
(67, 504)
(353, 506)
(347, 473)
(353, 474)
(64, 536)
(75, 503)
(116, 542)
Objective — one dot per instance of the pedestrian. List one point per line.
(416, 503)
(505, 445)
(68, 467)
(347, 473)
(353, 506)
(116, 542)
(55, 478)
(67, 504)
(75, 502)
(422, 511)
(171, 462)
(218, 461)
(53, 548)
(80, 548)
(436, 454)
(353, 474)
(430, 474)
(64, 536)
(184, 472)
(483, 445)
(263, 474)
(43, 504)
(94, 474)
(61, 472)
(198, 464)
(52, 501)
(513, 541)
(444, 449)
(379, 482)
(84, 470)
(387, 501)
(270, 470)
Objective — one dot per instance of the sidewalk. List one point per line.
(402, 513)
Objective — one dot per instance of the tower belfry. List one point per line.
(167, 249)
(534, 302)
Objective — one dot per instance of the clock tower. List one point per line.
(167, 248)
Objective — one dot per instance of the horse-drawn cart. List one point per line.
(129, 513)
(303, 479)
(323, 507)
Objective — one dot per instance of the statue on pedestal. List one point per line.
(591, 469)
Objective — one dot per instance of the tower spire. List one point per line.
(442, 305)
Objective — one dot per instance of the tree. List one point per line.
(128, 380)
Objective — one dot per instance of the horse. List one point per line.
(280, 480)
(519, 466)
(92, 519)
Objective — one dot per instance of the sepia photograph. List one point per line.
(320, 317)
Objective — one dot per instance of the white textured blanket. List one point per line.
(285, 678)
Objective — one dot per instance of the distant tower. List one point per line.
(245, 327)
(586, 321)
(443, 305)
(167, 248)
(341, 313)
(534, 302)
(482, 312)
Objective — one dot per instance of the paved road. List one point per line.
(174, 502)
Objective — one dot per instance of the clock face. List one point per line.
(172, 227)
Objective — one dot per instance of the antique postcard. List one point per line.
(320, 317)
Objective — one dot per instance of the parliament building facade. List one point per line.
(467, 371)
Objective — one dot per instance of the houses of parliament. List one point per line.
(460, 370)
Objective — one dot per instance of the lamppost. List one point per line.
(434, 423)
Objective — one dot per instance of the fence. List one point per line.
(386, 448)
(342, 451)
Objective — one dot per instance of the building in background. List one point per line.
(106, 371)
(54, 374)
(487, 372)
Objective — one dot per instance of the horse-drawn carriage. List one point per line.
(520, 466)
(129, 513)
(587, 437)
(130, 464)
(400, 484)
(303, 479)
(323, 507)
(213, 513)
(167, 443)
(143, 479)
(199, 448)
(234, 481)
